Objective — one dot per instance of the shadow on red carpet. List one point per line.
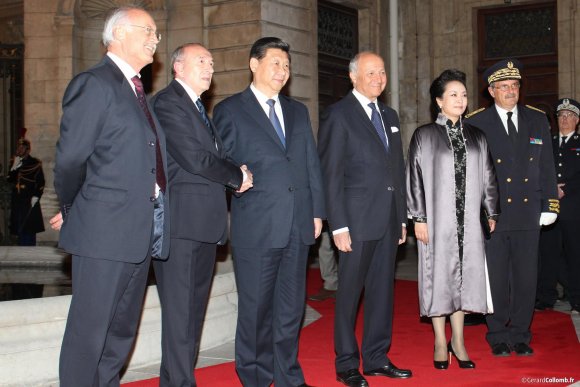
(557, 351)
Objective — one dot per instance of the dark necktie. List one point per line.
(205, 119)
(563, 141)
(512, 132)
(203, 113)
(276, 122)
(378, 124)
(159, 171)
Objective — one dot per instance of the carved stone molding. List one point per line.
(97, 9)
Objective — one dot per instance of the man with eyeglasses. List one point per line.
(559, 248)
(519, 142)
(110, 178)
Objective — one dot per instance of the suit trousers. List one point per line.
(327, 259)
(559, 261)
(512, 262)
(551, 264)
(103, 318)
(271, 299)
(370, 265)
(183, 282)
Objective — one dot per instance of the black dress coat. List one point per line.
(28, 182)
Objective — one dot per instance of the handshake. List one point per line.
(248, 181)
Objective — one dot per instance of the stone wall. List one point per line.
(62, 37)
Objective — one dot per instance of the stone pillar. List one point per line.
(231, 28)
(48, 46)
(569, 48)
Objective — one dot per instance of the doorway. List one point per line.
(529, 33)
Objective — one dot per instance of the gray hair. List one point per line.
(179, 53)
(115, 17)
(353, 64)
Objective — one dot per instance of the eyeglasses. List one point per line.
(149, 31)
(504, 87)
(567, 115)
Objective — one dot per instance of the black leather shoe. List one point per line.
(462, 363)
(522, 349)
(352, 378)
(500, 349)
(391, 371)
(541, 305)
(440, 365)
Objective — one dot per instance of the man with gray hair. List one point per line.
(361, 155)
(110, 178)
(198, 173)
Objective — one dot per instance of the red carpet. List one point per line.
(557, 351)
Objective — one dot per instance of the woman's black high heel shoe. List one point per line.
(440, 365)
(462, 363)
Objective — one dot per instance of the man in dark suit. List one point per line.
(198, 173)
(273, 223)
(559, 247)
(28, 178)
(361, 154)
(110, 179)
(519, 142)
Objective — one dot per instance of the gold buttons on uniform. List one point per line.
(509, 200)
(531, 158)
(498, 161)
(526, 180)
(525, 200)
(509, 179)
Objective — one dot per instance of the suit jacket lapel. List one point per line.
(361, 116)
(387, 123)
(523, 134)
(502, 138)
(255, 111)
(194, 112)
(288, 114)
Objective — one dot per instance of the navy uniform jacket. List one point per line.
(567, 162)
(526, 178)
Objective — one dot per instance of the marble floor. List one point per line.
(406, 269)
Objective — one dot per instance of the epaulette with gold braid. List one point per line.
(554, 205)
(474, 112)
(536, 109)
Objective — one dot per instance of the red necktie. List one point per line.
(159, 171)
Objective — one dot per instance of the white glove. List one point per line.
(547, 218)
(17, 163)
(33, 201)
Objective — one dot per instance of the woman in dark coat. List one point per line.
(450, 177)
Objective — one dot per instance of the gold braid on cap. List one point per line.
(509, 72)
(566, 105)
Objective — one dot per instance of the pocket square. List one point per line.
(394, 129)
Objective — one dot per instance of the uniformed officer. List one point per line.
(28, 178)
(559, 247)
(519, 142)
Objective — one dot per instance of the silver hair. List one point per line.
(179, 53)
(353, 64)
(115, 17)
